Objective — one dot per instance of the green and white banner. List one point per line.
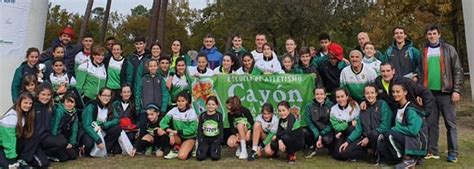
(254, 91)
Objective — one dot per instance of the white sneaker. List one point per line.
(172, 154)
(194, 152)
(243, 156)
(237, 152)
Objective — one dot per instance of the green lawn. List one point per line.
(466, 159)
(465, 137)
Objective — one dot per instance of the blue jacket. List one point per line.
(213, 56)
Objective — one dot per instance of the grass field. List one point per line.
(321, 160)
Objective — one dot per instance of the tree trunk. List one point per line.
(161, 22)
(85, 20)
(228, 42)
(457, 29)
(103, 29)
(153, 23)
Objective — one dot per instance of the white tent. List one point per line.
(469, 28)
(22, 25)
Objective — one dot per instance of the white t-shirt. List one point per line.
(259, 55)
(193, 71)
(343, 114)
(270, 66)
(268, 126)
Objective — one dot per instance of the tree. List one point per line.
(161, 22)
(103, 29)
(134, 25)
(85, 20)
(152, 28)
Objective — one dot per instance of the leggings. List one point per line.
(293, 141)
(310, 140)
(159, 142)
(62, 153)
(4, 161)
(34, 150)
(387, 151)
(111, 141)
(352, 151)
(208, 147)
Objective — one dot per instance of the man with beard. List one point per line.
(64, 40)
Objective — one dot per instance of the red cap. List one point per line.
(127, 124)
(336, 50)
(68, 30)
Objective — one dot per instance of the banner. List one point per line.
(14, 27)
(254, 91)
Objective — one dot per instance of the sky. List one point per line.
(122, 6)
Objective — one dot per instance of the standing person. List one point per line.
(202, 68)
(28, 67)
(116, 70)
(443, 75)
(65, 125)
(264, 128)
(209, 48)
(369, 59)
(83, 55)
(237, 49)
(318, 133)
(180, 81)
(151, 88)
(15, 124)
(287, 64)
(248, 65)
(108, 44)
(92, 75)
(241, 122)
(288, 138)
(260, 39)
(155, 135)
(269, 64)
(291, 49)
(305, 66)
(34, 150)
(164, 68)
(180, 123)
(407, 140)
(58, 53)
(228, 66)
(375, 120)
(126, 110)
(64, 40)
(136, 58)
(99, 116)
(343, 120)
(330, 69)
(313, 51)
(210, 131)
(403, 55)
(156, 54)
(176, 52)
(324, 42)
(355, 77)
(362, 39)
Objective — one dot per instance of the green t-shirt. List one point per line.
(210, 128)
(434, 68)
